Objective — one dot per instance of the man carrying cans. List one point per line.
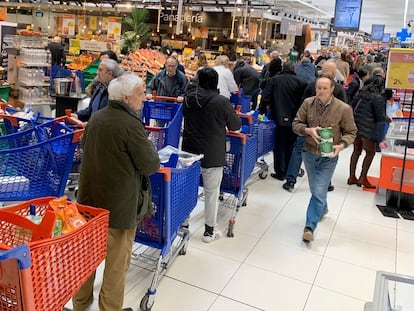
(316, 115)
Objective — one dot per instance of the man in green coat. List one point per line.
(117, 162)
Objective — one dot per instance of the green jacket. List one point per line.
(116, 163)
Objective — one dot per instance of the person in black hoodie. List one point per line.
(206, 116)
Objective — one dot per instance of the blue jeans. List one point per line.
(320, 171)
(295, 160)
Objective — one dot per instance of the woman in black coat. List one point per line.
(369, 111)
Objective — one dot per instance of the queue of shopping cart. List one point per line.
(36, 159)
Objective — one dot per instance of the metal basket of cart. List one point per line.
(40, 272)
(162, 230)
(36, 162)
(240, 101)
(12, 124)
(265, 132)
(240, 160)
(163, 118)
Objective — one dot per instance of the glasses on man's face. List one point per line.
(171, 66)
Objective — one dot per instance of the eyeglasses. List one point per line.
(171, 66)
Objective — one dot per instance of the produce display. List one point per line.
(80, 62)
(144, 60)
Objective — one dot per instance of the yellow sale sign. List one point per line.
(400, 72)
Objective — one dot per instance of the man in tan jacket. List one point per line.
(317, 112)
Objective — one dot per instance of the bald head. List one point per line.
(329, 68)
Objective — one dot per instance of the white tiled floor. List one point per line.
(266, 266)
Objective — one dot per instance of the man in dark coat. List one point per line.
(247, 78)
(283, 93)
(57, 51)
(108, 69)
(169, 81)
(206, 116)
(117, 161)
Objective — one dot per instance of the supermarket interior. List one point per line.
(57, 58)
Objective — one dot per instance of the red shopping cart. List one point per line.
(40, 273)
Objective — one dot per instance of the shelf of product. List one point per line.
(32, 59)
(392, 160)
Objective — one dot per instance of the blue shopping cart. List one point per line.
(163, 228)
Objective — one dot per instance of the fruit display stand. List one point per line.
(144, 62)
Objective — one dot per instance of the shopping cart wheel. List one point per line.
(263, 175)
(182, 251)
(230, 232)
(301, 172)
(144, 303)
(221, 196)
(244, 198)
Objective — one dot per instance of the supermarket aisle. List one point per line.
(266, 266)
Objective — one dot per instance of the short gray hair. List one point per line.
(123, 86)
(377, 71)
(112, 66)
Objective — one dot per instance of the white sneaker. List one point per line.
(210, 238)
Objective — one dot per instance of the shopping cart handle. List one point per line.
(163, 98)
(13, 120)
(68, 115)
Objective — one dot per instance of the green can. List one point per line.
(326, 144)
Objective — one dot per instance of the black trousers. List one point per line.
(284, 142)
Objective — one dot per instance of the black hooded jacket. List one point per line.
(206, 116)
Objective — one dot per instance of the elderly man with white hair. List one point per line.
(117, 161)
(58, 52)
(108, 69)
(226, 83)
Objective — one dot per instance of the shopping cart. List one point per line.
(163, 120)
(241, 152)
(265, 132)
(38, 272)
(36, 162)
(241, 102)
(163, 230)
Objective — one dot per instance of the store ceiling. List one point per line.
(390, 13)
(385, 12)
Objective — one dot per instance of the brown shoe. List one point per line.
(366, 184)
(307, 235)
(352, 180)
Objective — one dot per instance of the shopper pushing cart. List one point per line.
(117, 161)
(206, 116)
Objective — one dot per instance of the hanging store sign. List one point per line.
(199, 19)
(114, 28)
(400, 70)
(288, 27)
(68, 25)
(92, 22)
